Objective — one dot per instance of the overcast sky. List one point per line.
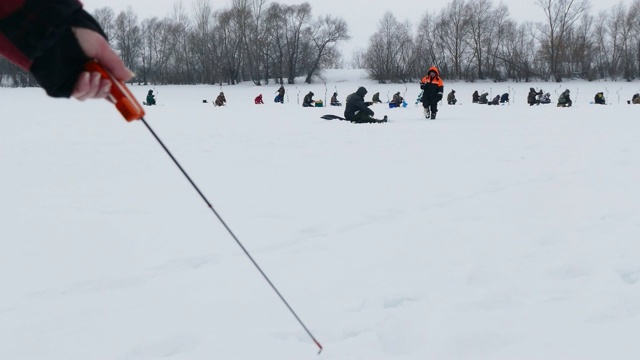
(361, 15)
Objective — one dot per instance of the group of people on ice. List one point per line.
(483, 98)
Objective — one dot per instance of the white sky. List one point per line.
(362, 15)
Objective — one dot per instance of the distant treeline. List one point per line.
(261, 41)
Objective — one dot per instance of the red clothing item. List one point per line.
(258, 99)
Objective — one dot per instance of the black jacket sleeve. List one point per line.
(41, 31)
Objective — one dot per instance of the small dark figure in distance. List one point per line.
(451, 98)
(396, 101)
(308, 100)
(565, 99)
(475, 97)
(599, 99)
(534, 97)
(495, 101)
(151, 99)
(258, 100)
(376, 98)
(220, 100)
(280, 97)
(546, 99)
(357, 110)
(484, 99)
(334, 100)
(635, 99)
(504, 99)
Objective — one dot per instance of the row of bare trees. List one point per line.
(259, 40)
(250, 40)
(476, 39)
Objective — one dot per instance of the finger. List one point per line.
(91, 86)
(109, 59)
(82, 86)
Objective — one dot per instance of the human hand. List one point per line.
(91, 85)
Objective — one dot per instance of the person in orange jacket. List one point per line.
(432, 90)
(53, 40)
(258, 100)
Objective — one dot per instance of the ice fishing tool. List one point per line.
(131, 110)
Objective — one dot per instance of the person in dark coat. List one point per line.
(599, 99)
(397, 100)
(280, 97)
(376, 98)
(357, 110)
(53, 40)
(534, 97)
(504, 98)
(484, 99)
(565, 99)
(308, 100)
(475, 97)
(258, 100)
(334, 100)
(635, 99)
(433, 88)
(451, 98)
(220, 100)
(495, 101)
(151, 99)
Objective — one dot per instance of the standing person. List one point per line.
(280, 97)
(451, 98)
(475, 97)
(433, 88)
(357, 110)
(220, 100)
(308, 100)
(53, 40)
(565, 99)
(258, 100)
(151, 99)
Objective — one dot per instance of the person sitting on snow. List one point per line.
(151, 99)
(357, 110)
(484, 99)
(397, 100)
(308, 100)
(376, 98)
(258, 100)
(495, 101)
(565, 99)
(504, 99)
(599, 98)
(546, 99)
(220, 100)
(451, 98)
(334, 100)
(635, 99)
(280, 97)
(534, 97)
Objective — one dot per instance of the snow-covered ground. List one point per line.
(507, 232)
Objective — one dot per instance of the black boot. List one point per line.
(433, 116)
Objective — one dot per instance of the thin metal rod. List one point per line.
(232, 234)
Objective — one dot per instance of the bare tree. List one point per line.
(127, 37)
(453, 29)
(389, 55)
(106, 18)
(325, 34)
(560, 16)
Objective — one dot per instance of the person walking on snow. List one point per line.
(433, 88)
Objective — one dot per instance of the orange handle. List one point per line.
(120, 95)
